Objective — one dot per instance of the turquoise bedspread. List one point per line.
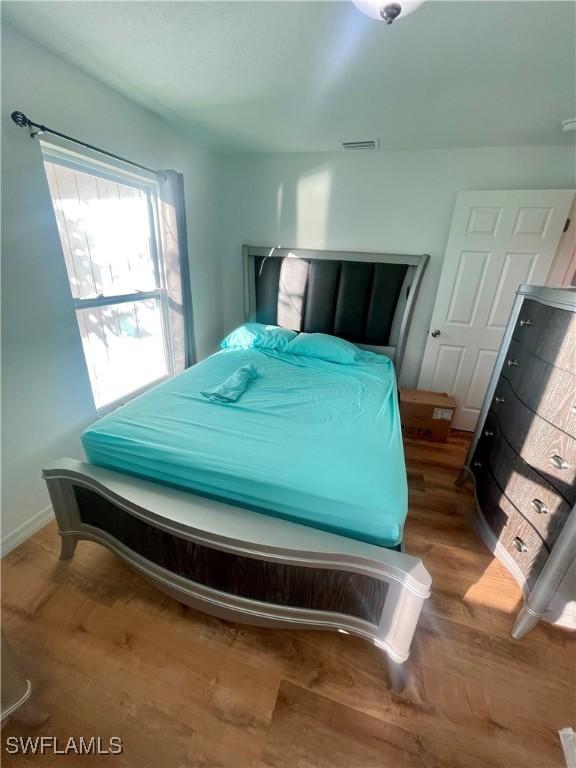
(311, 441)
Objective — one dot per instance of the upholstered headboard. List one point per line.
(366, 298)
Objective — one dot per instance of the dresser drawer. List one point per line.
(548, 391)
(512, 530)
(537, 500)
(549, 333)
(545, 447)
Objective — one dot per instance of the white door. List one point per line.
(498, 240)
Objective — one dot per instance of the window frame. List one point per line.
(148, 184)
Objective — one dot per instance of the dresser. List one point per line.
(523, 456)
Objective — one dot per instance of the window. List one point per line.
(107, 225)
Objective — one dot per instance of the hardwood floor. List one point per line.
(111, 656)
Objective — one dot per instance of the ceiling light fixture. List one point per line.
(387, 11)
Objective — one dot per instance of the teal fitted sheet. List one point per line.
(312, 441)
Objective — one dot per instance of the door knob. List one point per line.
(435, 333)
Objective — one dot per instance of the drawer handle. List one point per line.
(558, 462)
(488, 433)
(540, 507)
(525, 322)
(519, 544)
(513, 363)
(498, 399)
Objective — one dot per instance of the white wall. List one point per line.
(46, 396)
(399, 202)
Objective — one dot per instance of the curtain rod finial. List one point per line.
(20, 119)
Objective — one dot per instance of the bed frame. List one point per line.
(247, 566)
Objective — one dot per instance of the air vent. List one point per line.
(368, 144)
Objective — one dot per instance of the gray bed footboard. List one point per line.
(242, 565)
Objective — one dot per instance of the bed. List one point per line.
(285, 508)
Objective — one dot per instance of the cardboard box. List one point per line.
(426, 415)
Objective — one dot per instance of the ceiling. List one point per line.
(304, 76)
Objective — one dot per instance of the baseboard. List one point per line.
(27, 529)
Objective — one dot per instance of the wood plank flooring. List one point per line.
(111, 656)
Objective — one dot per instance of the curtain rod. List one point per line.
(24, 122)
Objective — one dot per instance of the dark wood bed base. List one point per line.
(293, 585)
(243, 565)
